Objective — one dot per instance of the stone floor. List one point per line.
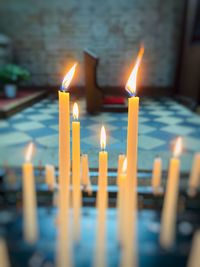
(160, 122)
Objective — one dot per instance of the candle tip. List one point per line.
(75, 111)
(178, 147)
(132, 81)
(29, 152)
(68, 78)
(103, 138)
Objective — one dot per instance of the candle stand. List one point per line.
(151, 254)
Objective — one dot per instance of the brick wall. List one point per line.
(49, 35)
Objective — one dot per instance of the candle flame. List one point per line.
(103, 138)
(68, 78)
(75, 111)
(29, 152)
(178, 147)
(132, 81)
(124, 166)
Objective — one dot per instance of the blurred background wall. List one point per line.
(47, 35)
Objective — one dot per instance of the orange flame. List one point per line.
(132, 81)
(75, 111)
(68, 78)
(29, 152)
(103, 138)
(124, 166)
(178, 147)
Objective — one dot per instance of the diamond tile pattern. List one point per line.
(159, 123)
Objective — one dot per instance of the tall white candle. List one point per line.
(76, 182)
(132, 129)
(30, 224)
(63, 249)
(169, 211)
(121, 205)
(156, 175)
(194, 257)
(4, 256)
(100, 254)
(121, 159)
(85, 176)
(50, 176)
(194, 179)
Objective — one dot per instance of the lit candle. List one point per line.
(85, 176)
(121, 200)
(103, 168)
(76, 172)
(100, 259)
(50, 176)
(194, 179)
(4, 256)
(194, 257)
(30, 227)
(132, 130)
(128, 226)
(63, 254)
(156, 175)
(169, 211)
(121, 158)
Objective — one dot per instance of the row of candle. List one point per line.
(130, 183)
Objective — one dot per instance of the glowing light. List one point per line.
(124, 166)
(29, 152)
(132, 81)
(75, 111)
(68, 78)
(178, 147)
(103, 138)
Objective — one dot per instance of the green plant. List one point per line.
(12, 73)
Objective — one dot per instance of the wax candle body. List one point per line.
(63, 258)
(169, 211)
(132, 141)
(100, 258)
(30, 227)
(194, 257)
(50, 176)
(156, 175)
(129, 256)
(102, 180)
(121, 159)
(4, 256)
(194, 179)
(76, 177)
(85, 174)
(121, 205)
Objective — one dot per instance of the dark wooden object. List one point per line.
(94, 96)
(18, 105)
(189, 81)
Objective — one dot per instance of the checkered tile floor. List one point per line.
(160, 122)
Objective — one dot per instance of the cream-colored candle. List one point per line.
(100, 257)
(132, 129)
(4, 256)
(50, 176)
(76, 201)
(129, 256)
(156, 175)
(194, 257)
(194, 179)
(63, 249)
(121, 158)
(30, 224)
(85, 176)
(169, 210)
(121, 205)
(103, 168)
